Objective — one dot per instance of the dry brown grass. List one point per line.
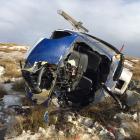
(11, 68)
(10, 48)
(31, 121)
(102, 112)
(7, 50)
(2, 91)
(136, 68)
(8, 44)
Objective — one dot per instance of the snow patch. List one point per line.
(10, 100)
(135, 60)
(2, 70)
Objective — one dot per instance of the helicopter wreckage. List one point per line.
(74, 66)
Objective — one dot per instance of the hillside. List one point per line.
(22, 120)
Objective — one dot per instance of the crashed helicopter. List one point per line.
(74, 66)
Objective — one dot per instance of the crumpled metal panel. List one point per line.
(50, 50)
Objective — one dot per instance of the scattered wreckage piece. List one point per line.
(73, 66)
(125, 78)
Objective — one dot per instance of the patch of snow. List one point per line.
(123, 116)
(10, 91)
(135, 116)
(8, 87)
(17, 48)
(135, 60)
(3, 47)
(69, 118)
(13, 79)
(2, 70)
(10, 100)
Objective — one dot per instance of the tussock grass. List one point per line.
(31, 121)
(8, 44)
(102, 112)
(11, 68)
(2, 91)
(10, 48)
(134, 130)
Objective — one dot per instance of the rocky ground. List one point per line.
(19, 119)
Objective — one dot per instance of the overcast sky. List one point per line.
(116, 21)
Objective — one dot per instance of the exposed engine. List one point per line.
(39, 77)
(63, 81)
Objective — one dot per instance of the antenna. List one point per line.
(121, 49)
(77, 25)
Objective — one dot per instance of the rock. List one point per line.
(134, 84)
(96, 124)
(122, 134)
(132, 98)
(73, 130)
(28, 132)
(50, 131)
(91, 131)
(61, 133)
(123, 116)
(85, 137)
(80, 119)
(88, 122)
(42, 130)
(103, 132)
(135, 116)
(55, 102)
(69, 118)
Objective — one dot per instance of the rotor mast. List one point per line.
(77, 25)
